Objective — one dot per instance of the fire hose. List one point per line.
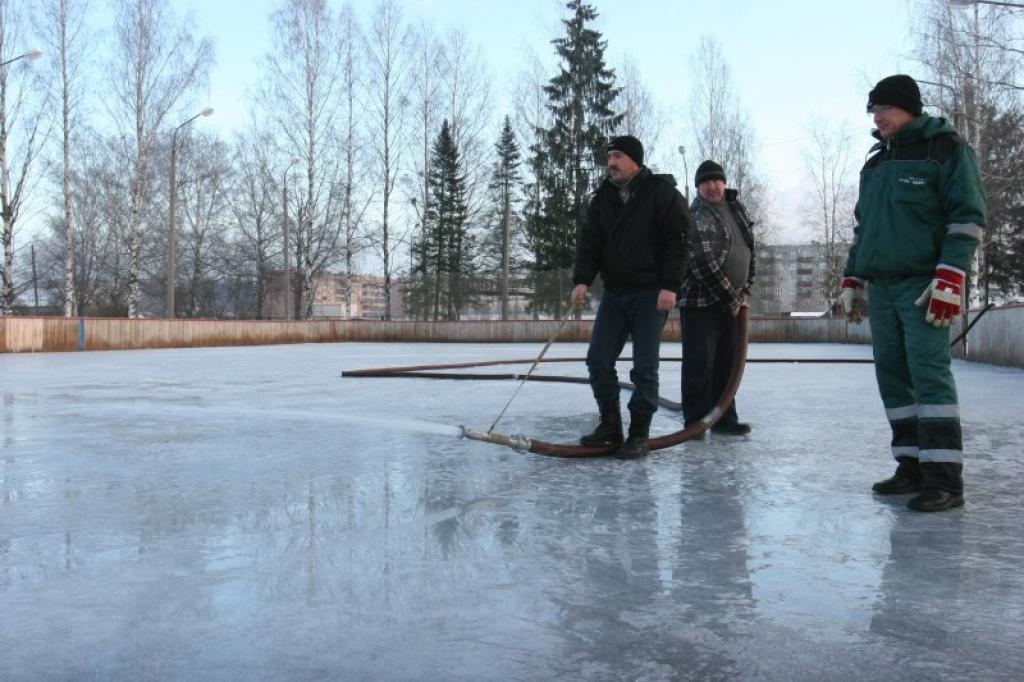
(571, 450)
(540, 447)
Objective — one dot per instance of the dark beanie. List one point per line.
(628, 145)
(709, 170)
(898, 91)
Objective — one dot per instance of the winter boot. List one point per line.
(907, 479)
(943, 487)
(609, 431)
(639, 429)
(731, 428)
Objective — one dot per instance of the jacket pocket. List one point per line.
(916, 190)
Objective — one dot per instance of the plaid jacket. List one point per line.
(706, 284)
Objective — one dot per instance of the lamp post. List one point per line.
(172, 231)
(31, 55)
(961, 4)
(7, 228)
(686, 172)
(287, 243)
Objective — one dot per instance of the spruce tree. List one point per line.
(570, 159)
(444, 251)
(504, 186)
(1002, 258)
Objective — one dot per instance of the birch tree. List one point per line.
(387, 51)
(21, 121)
(971, 61)
(301, 96)
(641, 116)
(65, 39)
(157, 63)
(532, 119)
(828, 167)
(254, 208)
(467, 98)
(356, 194)
(721, 129)
(425, 75)
(205, 181)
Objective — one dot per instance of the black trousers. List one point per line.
(709, 343)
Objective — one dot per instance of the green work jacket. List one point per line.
(921, 203)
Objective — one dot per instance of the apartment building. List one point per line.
(791, 278)
(336, 296)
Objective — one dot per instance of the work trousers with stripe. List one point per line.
(912, 366)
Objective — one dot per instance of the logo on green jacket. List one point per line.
(912, 180)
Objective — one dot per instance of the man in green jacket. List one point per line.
(920, 215)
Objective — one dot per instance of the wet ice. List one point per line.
(245, 512)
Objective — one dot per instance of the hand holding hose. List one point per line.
(666, 300)
(579, 295)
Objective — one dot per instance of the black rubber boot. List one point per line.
(731, 428)
(609, 430)
(943, 487)
(907, 479)
(639, 430)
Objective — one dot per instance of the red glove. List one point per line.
(943, 295)
(851, 297)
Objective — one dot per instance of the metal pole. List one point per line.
(686, 173)
(287, 258)
(35, 282)
(172, 231)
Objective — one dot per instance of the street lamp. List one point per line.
(172, 232)
(31, 55)
(962, 4)
(287, 244)
(686, 172)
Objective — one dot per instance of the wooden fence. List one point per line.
(998, 337)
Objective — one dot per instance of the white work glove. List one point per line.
(851, 296)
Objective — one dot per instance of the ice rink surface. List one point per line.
(246, 513)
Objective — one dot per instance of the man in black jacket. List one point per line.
(635, 238)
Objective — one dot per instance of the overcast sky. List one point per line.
(791, 61)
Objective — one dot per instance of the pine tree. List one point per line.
(443, 255)
(504, 186)
(570, 159)
(1002, 259)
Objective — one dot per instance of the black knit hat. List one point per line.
(708, 170)
(628, 145)
(898, 91)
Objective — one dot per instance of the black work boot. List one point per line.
(609, 431)
(731, 428)
(639, 429)
(943, 487)
(907, 479)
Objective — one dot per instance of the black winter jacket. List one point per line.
(637, 246)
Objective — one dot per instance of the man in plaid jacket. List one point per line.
(717, 285)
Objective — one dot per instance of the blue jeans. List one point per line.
(620, 316)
